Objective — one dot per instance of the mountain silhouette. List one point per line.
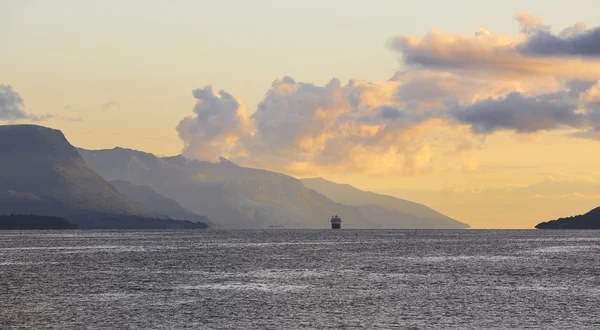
(390, 211)
(590, 220)
(43, 174)
(230, 195)
(238, 197)
(33, 222)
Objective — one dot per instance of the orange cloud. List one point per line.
(500, 55)
(421, 121)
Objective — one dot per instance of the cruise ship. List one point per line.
(336, 222)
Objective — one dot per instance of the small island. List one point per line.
(590, 220)
(31, 222)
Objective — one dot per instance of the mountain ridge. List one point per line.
(231, 195)
(589, 220)
(44, 174)
(414, 215)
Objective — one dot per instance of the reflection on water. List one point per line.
(299, 279)
(270, 287)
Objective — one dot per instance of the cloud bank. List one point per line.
(433, 115)
(535, 52)
(304, 128)
(574, 41)
(520, 113)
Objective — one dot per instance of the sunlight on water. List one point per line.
(247, 286)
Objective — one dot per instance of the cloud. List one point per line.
(439, 50)
(11, 104)
(593, 115)
(573, 30)
(574, 41)
(578, 86)
(218, 122)
(40, 118)
(71, 119)
(73, 108)
(304, 128)
(390, 113)
(427, 90)
(530, 24)
(110, 105)
(521, 113)
(432, 116)
(592, 134)
(376, 127)
(297, 117)
(429, 87)
(536, 52)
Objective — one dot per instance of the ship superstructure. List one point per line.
(336, 222)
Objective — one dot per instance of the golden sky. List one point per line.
(493, 120)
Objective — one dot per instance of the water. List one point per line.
(280, 279)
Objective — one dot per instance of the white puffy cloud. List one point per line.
(431, 116)
(304, 128)
(219, 120)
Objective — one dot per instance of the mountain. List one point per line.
(43, 174)
(590, 220)
(239, 197)
(33, 222)
(392, 212)
(230, 195)
(146, 196)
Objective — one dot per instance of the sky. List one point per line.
(487, 111)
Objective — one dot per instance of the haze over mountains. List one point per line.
(43, 174)
(230, 195)
(121, 188)
(386, 208)
(238, 197)
(145, 195)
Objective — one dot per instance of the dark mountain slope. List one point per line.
(42, 174)
(33, 222)
(590, 220)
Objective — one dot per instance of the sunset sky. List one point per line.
(487, 111)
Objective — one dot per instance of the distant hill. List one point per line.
(146, 196)
(230, 195)
(390, 211)
(43, 174)
(239, 197)
(33, 222)
(590, 220)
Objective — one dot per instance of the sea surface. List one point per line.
(299, 279)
